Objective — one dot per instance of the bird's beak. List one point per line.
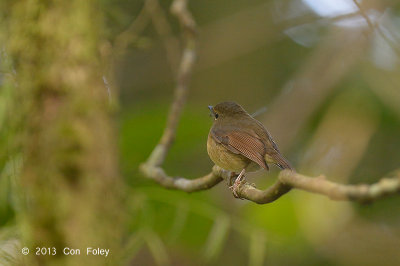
(212, 113)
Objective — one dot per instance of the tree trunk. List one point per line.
(70, 176)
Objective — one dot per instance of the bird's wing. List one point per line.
(273, 155)
(272, 152)
(242, 143)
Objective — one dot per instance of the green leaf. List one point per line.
(156, 247)
(217, 237)
(181, 216)
(257, 248)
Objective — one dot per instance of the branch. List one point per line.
(376, 26)
(132, 33)
(164, 30)
(179, 9)
(188, 185)
(286, 180)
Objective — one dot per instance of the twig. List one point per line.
(163, 29)
(179, 9)
(286, 180)
(259, 111)
(188, 185)
(131, 34)
(376, 26)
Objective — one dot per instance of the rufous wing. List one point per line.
(242, 143)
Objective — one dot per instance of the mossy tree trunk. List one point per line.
(69, 176)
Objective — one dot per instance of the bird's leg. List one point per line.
(237, 183)
(229, 180)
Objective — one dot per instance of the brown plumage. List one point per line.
(238, 142)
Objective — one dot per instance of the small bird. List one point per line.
(237, 142)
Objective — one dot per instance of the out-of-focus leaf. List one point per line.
(4, 193)
(181, 216)
(133, 245)
(9, 193)
(14, 168)
(148, 214)
(257, 248)
(2, 110)
(217, 237)
(156, 247)
(9, 252)
(9, 248)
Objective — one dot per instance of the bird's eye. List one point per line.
(216, 116)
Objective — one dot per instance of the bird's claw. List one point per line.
(237, 183)
(229, 179)
(235, 187)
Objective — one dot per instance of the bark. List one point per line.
(69, 175)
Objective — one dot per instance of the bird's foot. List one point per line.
(229, 180)
(238, 182)
(235, 188)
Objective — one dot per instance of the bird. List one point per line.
(237, 142)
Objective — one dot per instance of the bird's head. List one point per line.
(226, 110)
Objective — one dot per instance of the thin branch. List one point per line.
(132, 33)
(362, 12)
(152, 167)
(188, 185)
(179, 9)
(287, 179)
(163, 29)
(320, 185)
(259, 111)
(376, 26)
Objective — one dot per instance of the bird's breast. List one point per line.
(226, 159)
